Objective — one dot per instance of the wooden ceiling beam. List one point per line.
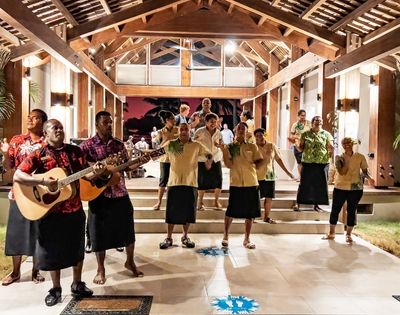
(108, 11)
(129, 48)
(184, 91)
(26, 50)
(373, 51)
(291, 21)
(22, 18)
(388, 62)
(259, 50)
(312, 8)
(121, 17)
(9, 37)
(387, 28)
(365, 7)
(65, 12)
(296, 68)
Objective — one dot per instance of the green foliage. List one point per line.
(34, 92)
(7, 102)
(396, 142)
(175, 146)
(234, 149)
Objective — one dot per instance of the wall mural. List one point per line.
(141, 114)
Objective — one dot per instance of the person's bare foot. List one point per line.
(100, 277)
(136, 272)
(217, 205)
(156, 206)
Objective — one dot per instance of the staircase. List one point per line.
(211, 220)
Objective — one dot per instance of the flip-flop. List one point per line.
(224, 243)
(9, 279)
(249, 245)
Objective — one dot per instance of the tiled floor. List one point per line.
(286, 274)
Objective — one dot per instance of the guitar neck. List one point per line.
(125, 165)
(68, 180)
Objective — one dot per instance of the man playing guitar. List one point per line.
(61, 235)
(111, 213)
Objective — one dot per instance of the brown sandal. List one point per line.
(269, 220)
(37, 277)
(249, 245)
(7, 280)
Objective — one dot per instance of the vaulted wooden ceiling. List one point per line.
(113, 31)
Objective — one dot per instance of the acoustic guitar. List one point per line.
(35, 201)
(89, 191)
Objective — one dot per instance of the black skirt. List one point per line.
(181, 205)
(21, 233)
(244, 202)
(267, 188)
(164, 174)
(210, 179)
(313, 188)
(61, 240)
(111, 223)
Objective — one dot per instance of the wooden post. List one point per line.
(328, 101)
(381, 134)
(185, 62)
(272, 103)
(294, 89)
(83, 105)
(110, 104)
(257, 111)
(118, 119)
(18, 86)
(99, 102)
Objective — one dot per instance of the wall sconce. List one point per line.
(346, 105)
(295, 98)
(27, 73)
(372, 81)
(319, 97)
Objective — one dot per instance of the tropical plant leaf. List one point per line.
(7, 102)
(396, 142)
(34, 92)
(234, 149)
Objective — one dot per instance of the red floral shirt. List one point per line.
(95, 150)
(20, 147)
(69, 158)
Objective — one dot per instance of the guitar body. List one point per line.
(35, 201)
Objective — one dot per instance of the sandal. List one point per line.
(225, 243)
(166, 243)
(318, 208)
(349, 239)
(217, 205)
(269, 220)
(249, 245)
(329, 237)
(156, 207)
(201, 208)
(296, 208)
(37, 277)
(187, 242)
(10, 279)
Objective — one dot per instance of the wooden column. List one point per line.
(272, 103)
(18, 86)
(110, 107)
(328, 101)
(99, 98)
(185, 62)
(257, 111)
(83, 105)
(118, 119)
(381, 134)
(294, 89)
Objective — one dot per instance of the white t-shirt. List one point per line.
(227, 136)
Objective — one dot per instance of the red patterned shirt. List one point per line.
(69, 158)
(20, 147)
(95, 150)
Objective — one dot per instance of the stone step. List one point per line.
(217, 226)
(211, 214)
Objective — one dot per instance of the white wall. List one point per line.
(284, 118)
(363, 126)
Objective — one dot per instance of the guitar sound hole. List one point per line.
(50, 198)
(36, 194)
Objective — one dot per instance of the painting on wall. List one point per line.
(141, 114)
